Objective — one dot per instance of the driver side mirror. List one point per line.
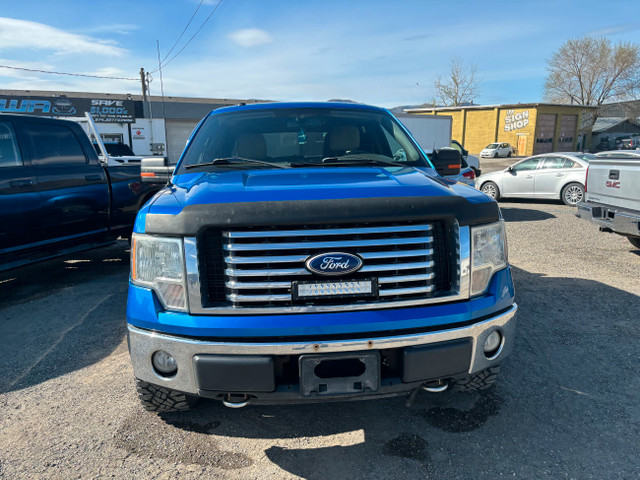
(156, 170)
(447, 161)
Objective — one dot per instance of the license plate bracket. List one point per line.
(339, 374)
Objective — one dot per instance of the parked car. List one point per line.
(619, 154)
(550, 175)
(297, 256)
(612, 200)
(631, 143)
(496, 150)
(55, 196)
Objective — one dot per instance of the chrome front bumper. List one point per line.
(624, 222)
(143, 343)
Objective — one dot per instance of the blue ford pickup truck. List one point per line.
(55, 195)
(308, 252)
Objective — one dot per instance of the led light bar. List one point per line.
(365, 288)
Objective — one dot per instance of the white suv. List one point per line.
(497, 150)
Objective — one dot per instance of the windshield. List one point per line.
(300, 137)
(584, 156)
(493, 145)
(115, 149)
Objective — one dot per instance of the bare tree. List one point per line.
(592, 71)
(460, 86)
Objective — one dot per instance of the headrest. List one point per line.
(344, 139)
(251, 145)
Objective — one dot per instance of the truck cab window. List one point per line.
(9, 151)
(55, 145)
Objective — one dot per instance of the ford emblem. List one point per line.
(334, 263)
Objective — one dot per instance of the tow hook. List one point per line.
(436, 386)
(232, 401)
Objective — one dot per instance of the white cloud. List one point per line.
(614, 30)
(251, 37)
(119, 28)
(18, 34)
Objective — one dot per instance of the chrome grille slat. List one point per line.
(328, 231)
(395, 266)
(406, 278)
(259, 298)
(234, 285)
(245, 247)
(282, 272)
(302, 258)
(406, 291)
(257, 285)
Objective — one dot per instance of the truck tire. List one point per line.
(155, 398)
(635, 241)
(491, 189)
(477, 381)
(572, 194)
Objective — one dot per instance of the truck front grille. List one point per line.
(253, 268)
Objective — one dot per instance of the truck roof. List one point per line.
(277, 105)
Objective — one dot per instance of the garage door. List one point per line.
(567, 132)
(544, 136)
(178, 131)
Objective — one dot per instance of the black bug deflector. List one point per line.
(315, 212)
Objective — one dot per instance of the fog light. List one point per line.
(164, 363)
(492, 344)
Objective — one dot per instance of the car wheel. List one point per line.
(635, 241)
(572, 194)
(491, 189)
(509, 154)
(495, 155)
(155, 398)
(477, 381)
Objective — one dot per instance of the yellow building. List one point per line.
(532, 128)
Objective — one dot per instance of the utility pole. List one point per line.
(144, 85)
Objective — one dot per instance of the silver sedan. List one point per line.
(551, 175)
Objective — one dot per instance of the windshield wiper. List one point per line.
(233, 160)
(344, 160)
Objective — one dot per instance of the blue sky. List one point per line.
(379, 52)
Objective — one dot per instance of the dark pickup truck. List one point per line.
(55, 195)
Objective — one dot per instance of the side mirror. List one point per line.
(447, 161)
(155, 170)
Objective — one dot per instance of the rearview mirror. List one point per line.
(447, 161)
(156, 170)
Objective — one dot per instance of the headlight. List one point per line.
(158, 263)
(488, 254)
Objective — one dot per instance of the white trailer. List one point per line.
(430, 131)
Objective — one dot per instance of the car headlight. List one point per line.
(158, 263)
(488, 254)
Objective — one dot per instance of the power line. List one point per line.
(192, 37)
(68, 74)
(183, 31)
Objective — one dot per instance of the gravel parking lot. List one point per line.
(566, 405)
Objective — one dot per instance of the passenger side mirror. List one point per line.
(156, 170)
(447, 161)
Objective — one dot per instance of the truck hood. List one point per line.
(310, 195)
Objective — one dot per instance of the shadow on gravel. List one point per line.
(511, 214)
(575, 363)
(61, 315)
(31, 282)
